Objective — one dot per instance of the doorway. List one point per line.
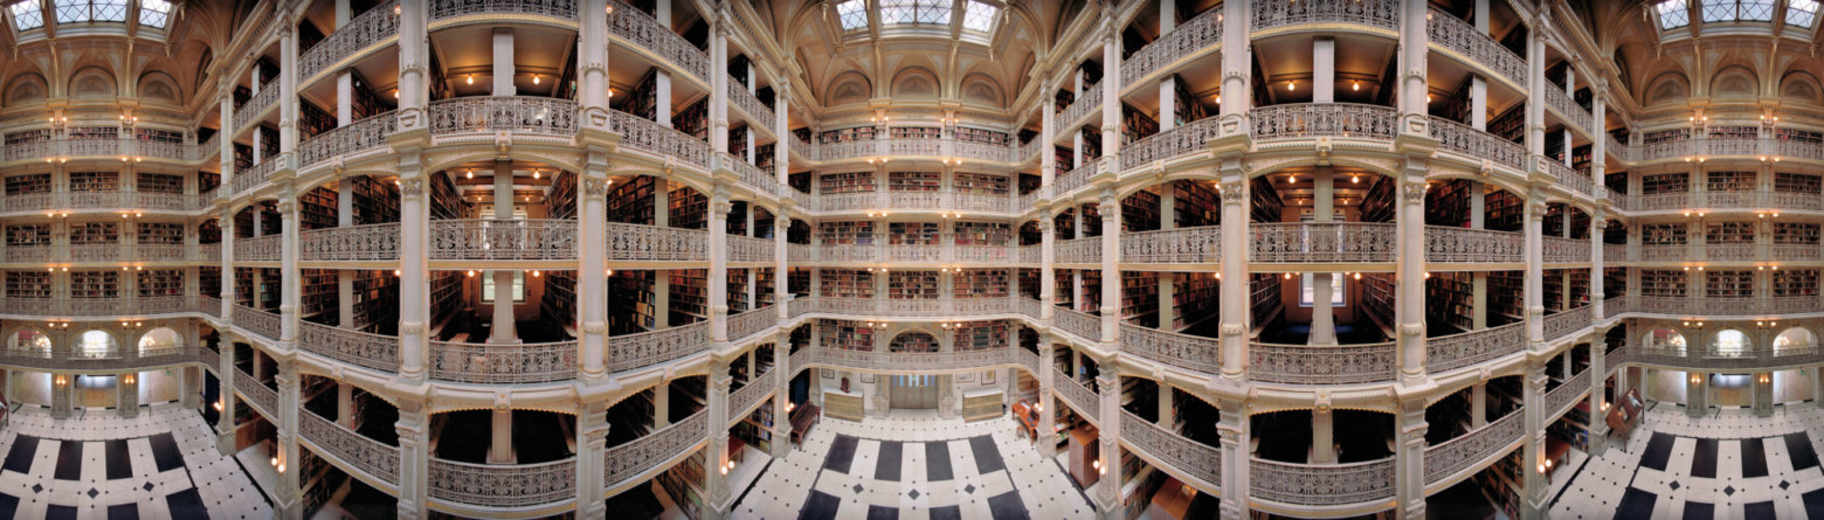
(913, 392)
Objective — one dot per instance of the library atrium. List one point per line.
(986, 259)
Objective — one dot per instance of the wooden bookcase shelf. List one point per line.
(1728, 284)
(1450, 299)
(29, 183)
(94, 182)
(632, 201)
(846, 335)
(1737, 232)
(689, 208)
(1795, 233)
(160, 232)
(1797, 183)
(852, 182)
(1140, 212)
(631, 302)
(1795, 282)
(1730, 181)
(983, 233)
(1663, 234)
(913, 285)
(95, 284)
(912, 233)
(160, 183)
(1665, 183)
(1667, 283)
(846, 283)
(981, 335)
(28, 234)
(846, 233)
(82, 233)
(914, 181)
(1140, 297)
(28, 284)
(689, 296)
(981, 283)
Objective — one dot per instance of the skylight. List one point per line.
(978, 16)
(1738, 10)
(854, 14)
(154, 13)
(1672, 14)
(1801, 13)
(1756, 10)
(930, 12)
(78, 11)
(27, 15)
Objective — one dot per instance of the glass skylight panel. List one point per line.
(853, 14)
(1672, 14)
(110, 10)
(1801, 13)
(27, 15)
(978, 16)
(1757, 10)
(73, 11)
(1719, 10)
(154, 13)
(897, 11)
(933, 11)
(928, 12)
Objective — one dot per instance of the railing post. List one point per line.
(1233, 426)
(290, 504)
(1409, 459)
(1108, 487)
(592, 269)
(1110, 209)
(413, 429)
(1533, 499)
(591, 442)
(716, 477)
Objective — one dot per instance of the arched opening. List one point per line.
(1794, 340)
(1730, 343)
(29, 340)
(1665, 340)
(94, 344)
(913, 342)
(159, 340)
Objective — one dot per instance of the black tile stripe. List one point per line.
(937, 462)
(887, 465)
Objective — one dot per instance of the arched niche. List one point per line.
(92, 82)
(26, 88)
(915, 82)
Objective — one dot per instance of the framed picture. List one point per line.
(965, 377)
(827, 374)
(988, 377)
(867, 378)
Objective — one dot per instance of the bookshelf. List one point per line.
(852, 182)
(764, 286)
(1265, 203)
(446, 200)
(982, 184)
(1029, 283)
(846, 283)
(844, 135)
(1188, 107)
(160, 183)
(317, 209)
(912, 233)
(916, 132)
(1795, 282)
(631, 301)
(846, 233)
(94, 284)
(846, 335)
(28, 284)
(1672, 135)
(560, 199)
(1140, 297)
(981, 335)
(317, 296)
(1663, 234)
(1195, 296)
(1140, 212)
(1450, 299)
(736, 291)
(1263, 290)
(1668, 283)
(270, 279)
(1447, 203)
(1665, 183)
(693, 120)
(1377, 297)
(980, 283)
(689, 208)
(642, 99)
(1795, 233)
(28, 234)
(94, 182)
(1136, 125)
(1378, 204)
(374, 201)
(1503, 211)
(82, 233)
(737, 141)
(1730, 181)
(689, 296)
(913, 181)
(30, 183)
(913, 342)
(209, 280)
(983, 233)
(1195, 204)
(1728, 284)
(632, 201)
(1739, 232)
(1796, 183)
(1579, 287)
(978, 135)
(1092, 221)
(913, 285)
(1553, 289)
(160, 232)
(1506, 290)
(1511, 124)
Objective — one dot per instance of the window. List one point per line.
(1307, 288)
(1801, 12)
(1756, 10)
(1673, 14)
(27, 15)
(153, 13)
(78, 11)
(978, 16)
(519, 286)
(930, 12)
(853, 13)
(1719, 11)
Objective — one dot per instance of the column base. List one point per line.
(1530, 510)
(224, 442)
(782, 443)
(408, 511)
(1047, 448)
(128, 412)
(292, 511)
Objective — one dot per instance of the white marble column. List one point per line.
(503, 67)
(500, 439)
(503, 329)
(414, 430)
(1323, 313)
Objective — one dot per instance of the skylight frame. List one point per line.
(916, 12)
(1673, 14)
(852, 15)
(979, 17)
(27, 15)
(1798, 16)
(154, 13)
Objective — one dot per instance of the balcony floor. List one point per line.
(815, 480)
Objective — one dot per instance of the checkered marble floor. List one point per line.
(161, 464)
(1727, 464)
(914, 466)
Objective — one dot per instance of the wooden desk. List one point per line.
(843, 405)
(1028, 419)
(1172, 501)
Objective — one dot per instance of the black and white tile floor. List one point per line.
(159, 465)
(913, 466)
(1728, 464)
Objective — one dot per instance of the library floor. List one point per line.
(160, 464)
(1726, 464)
(913, 465)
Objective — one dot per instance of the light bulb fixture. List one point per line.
(470, 79)
(536, 273)
(535, 174)
(395, 273)
(218, 406)
(471, 273)
(1291, 86)
(535, 79)
(468, 174)
(396, 10)
(610, 8)
(1355, 85)
(1355, 179)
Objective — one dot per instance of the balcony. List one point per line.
(256, 177)
(1447, 353)
(265, 400)
(742, 401)
(108, 200)
(354, 347)
(903, 308)
(258, 249)
(1179, 456)
(641, 30)
(376, 459)
(1195, 245)
(1568, 109)
(1455, 245)
(1089, 101)
(1077, 396)
(366, 30)
(255, 108)
(1192, 138)
(1379, 14)
(1194, 353)
(265, 324)
(503, 363)
(560, 9)
(1321, 484)
(1322, 242)
(1079, 251)
(1306, 120)
(363, 243)
(349, 143)
(502, 486)
(1192, 38)
(30, 254)
(1322, 364)
(743, 100)
(1570, 179)
(1069, 181)
(120, 359)
(645, 135)
(1719, 306)
(1460, 38)
(481, 118)
(1477, 146)
(750, 250)
(497, 239)
(1081, 324)
(1558, 250)
(639, 460)
(965, 360)
(1451, 459)
(645, 349)
(754, 321)
(752, 176)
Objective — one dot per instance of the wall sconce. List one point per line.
(217, 405)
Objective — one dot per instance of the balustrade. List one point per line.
(1322, 364)
(94, 252)
(1450, 244)
(1476, 144)
(847, 150)
(1173, 246)
(1382, 14)
(1558, 325)
(32, 254)
(639, 28)
(994, 254)
(539, 116)
(1322, 242)
(800, 252)
(741, 99)
(741, 326)
(265, 324)
(1194, 353)
(1196, 459)
(367, 242)
(351, 346)
(1088, 102)
(751, 176)
(1446, 353)
(1079, 251)
(633, 351)
(908, 361)
(1615, 253)
(256, 106)
(1575, 114)
(1079, 397)
(1187, 39)
(1069, 181)
(560, 9)
(631, 461)
(978, 202)
(1664, 253)
(503, 363)
(502, 239)
(1188, 139)
(1082, 324)
(640, 242)
(849, 252)
(1454, 34)
(915, 146)
(740, 400)
(914, 253)
(1558, 250)
(353, 449)
(497, 485)
(1661, 201)
(639, 133)
(347, 142)
(1301, 120)
(981, 151)
(750, 249)
(1321, 484)
(1796, 251)
(257, 176)
(263, 398)
(364, 30)
(1463, 452)
(1731, 252)
(1560, 399)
